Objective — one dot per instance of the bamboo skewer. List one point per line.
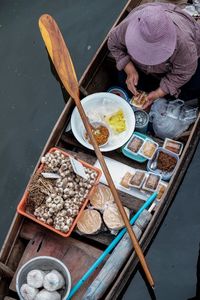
(61, 59)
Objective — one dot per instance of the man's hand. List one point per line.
(153, 96)
(132, 78)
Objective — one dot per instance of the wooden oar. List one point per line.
(61, 59)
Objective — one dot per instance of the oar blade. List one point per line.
(59, 54)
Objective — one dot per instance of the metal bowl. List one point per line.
(44, 263)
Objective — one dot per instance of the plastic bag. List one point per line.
(171, 118)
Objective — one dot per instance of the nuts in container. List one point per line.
(57, 203)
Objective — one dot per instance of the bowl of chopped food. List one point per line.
(43, 277)
(111, 112)
(101, 133)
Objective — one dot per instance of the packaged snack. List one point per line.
(102, 197)
(173, 146)
(125, 180)
(135, 144)
(137, 179)
(139, 100)
(89, 222)
(148, 149)
(112, 217)
(151, 182)
(161, 189)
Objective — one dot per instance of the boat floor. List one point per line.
(70, 251)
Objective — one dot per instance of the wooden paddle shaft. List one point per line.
(61, 59)
(114, 193)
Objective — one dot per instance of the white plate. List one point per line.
(98, 105)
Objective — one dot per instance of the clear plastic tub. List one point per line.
(152, 164)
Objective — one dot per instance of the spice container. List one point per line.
(151, 182)
(137, 179)
(163, 163)
(62, 206)
(148, 149)
(173, 146)
(141, 121)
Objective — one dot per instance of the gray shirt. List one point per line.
(180, 67)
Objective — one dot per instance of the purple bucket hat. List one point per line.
(150, 36)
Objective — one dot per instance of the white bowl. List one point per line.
(103, 104)
(44, 263)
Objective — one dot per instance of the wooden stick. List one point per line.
(61, 59)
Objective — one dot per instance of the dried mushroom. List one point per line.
(90, 221)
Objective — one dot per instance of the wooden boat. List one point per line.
(26, 239)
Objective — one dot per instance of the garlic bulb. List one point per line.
(35, 278)
(46, 295)
(53, 281)
(28, 292)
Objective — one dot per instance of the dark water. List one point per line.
(31, 101)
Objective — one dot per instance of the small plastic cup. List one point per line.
(141, 121)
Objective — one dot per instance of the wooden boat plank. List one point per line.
(76, 255)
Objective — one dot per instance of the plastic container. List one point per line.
(164, 175)
(22, 204)
(135, 139)
(134, 100)
(135, 156)
(137, 173)
(142, 149)
(141, 121)
(119, 92)
(148, 175)
(180, 146)
(44, 263)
